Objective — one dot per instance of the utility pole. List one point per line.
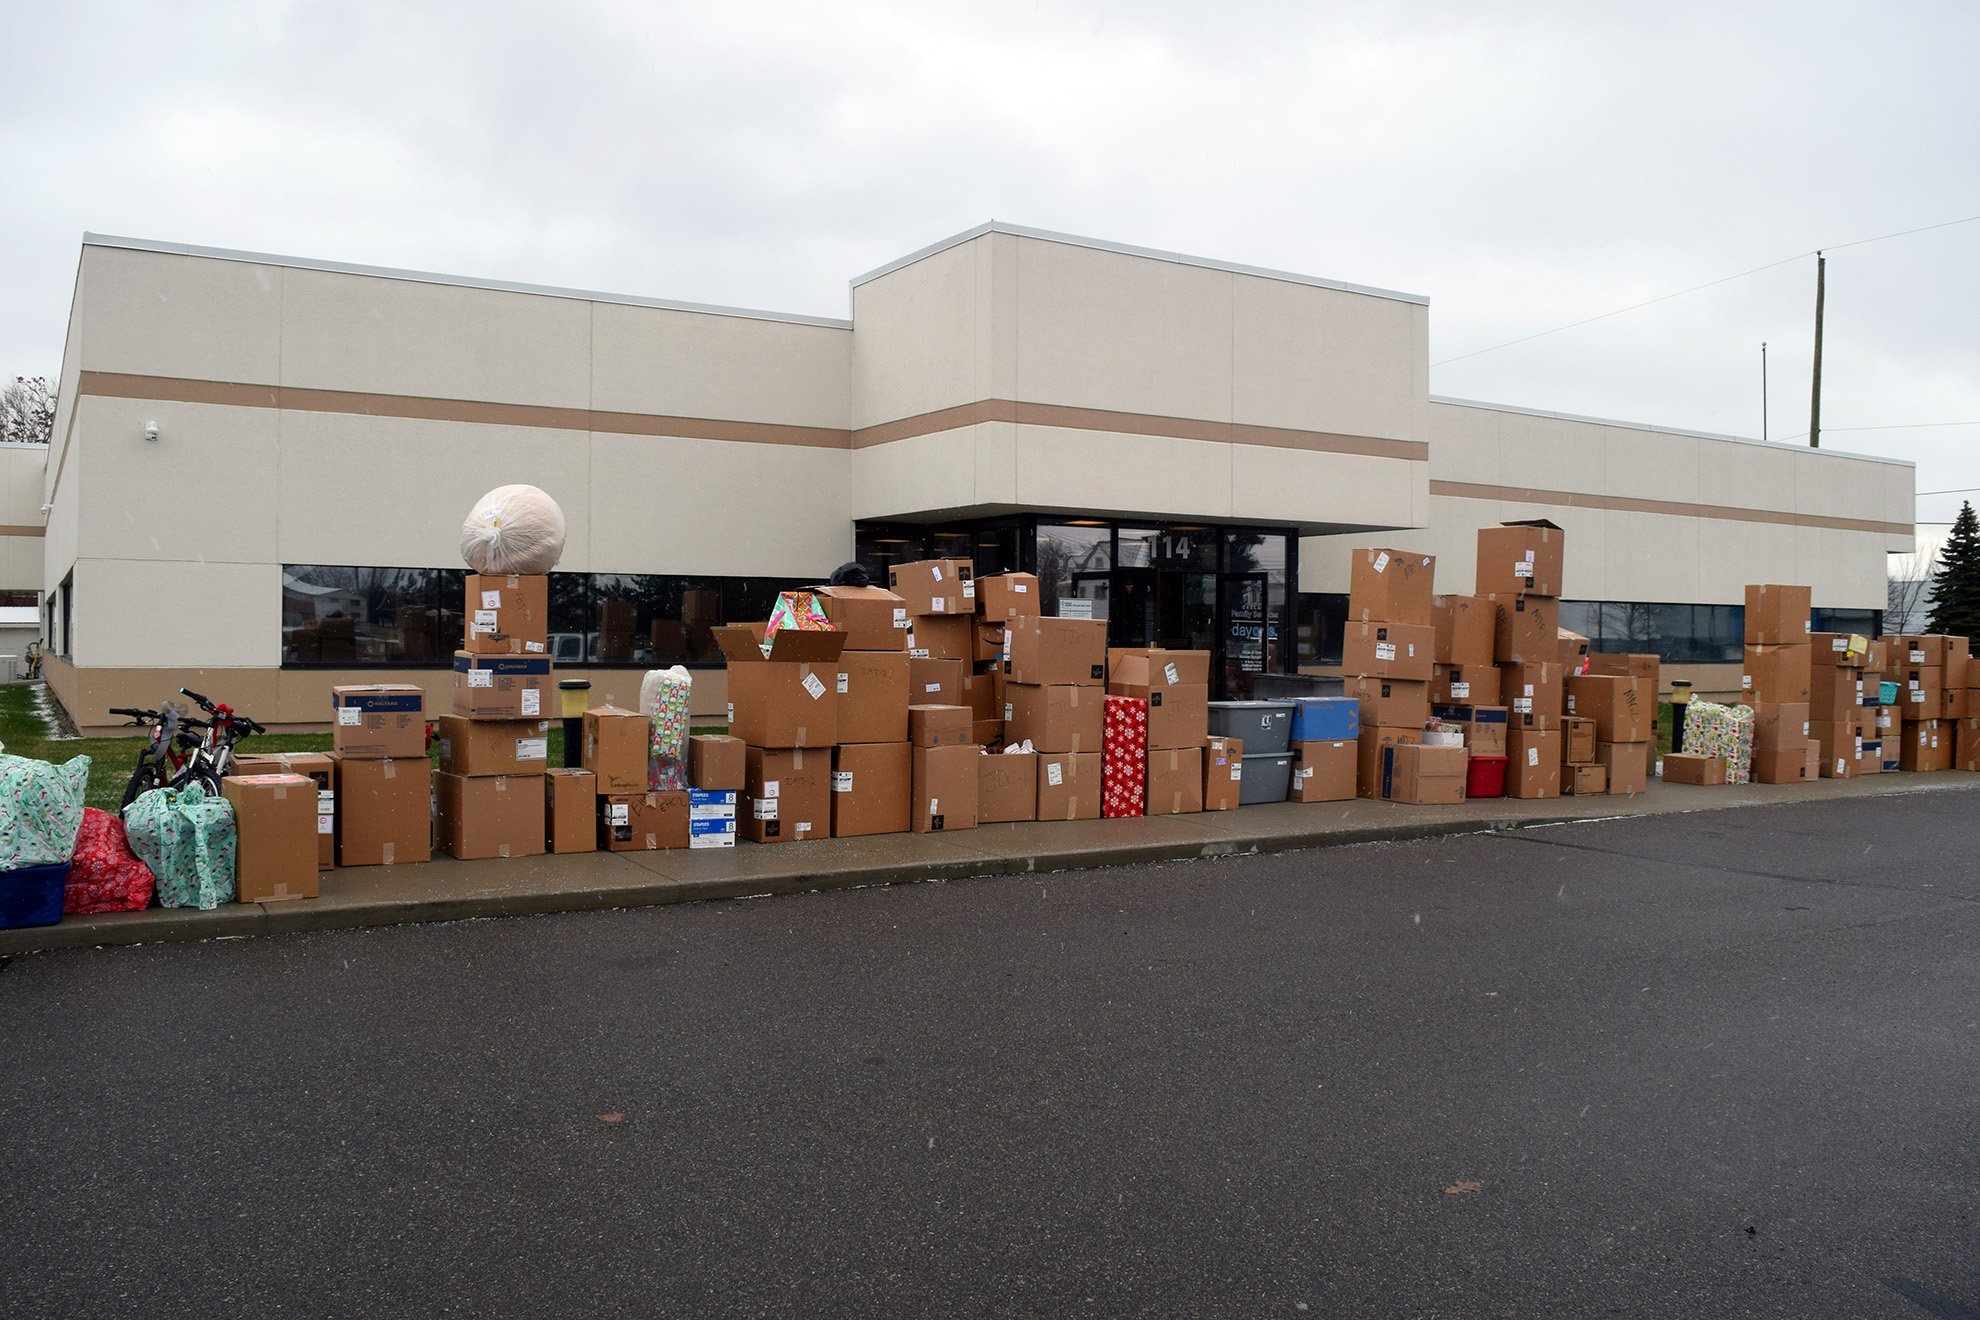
(1815, 389)
(1763, 389)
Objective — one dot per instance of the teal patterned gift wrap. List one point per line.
(41, 807)
(189, 842)
(1711, 729)
(664, 697)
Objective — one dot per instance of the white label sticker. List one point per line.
(326, 824)
(481, 678)
(938, 603)
(349, 715)
(934, 806)
(1411, 648)
(326, 802)
(1523, 705)
(1021, 587)
(619, 813)
(1381, 564)
(770, 787)
(1533, 756)
(1838, 643)
(536, 647)
(1237, 770)
(1746, 680)
(814, 685)
(532, 701)
(845, 684)
(1009, 712)
(491, 600)
(842, 781)
(1459, 691)
(766, 808)
(1523, 570)
(969, 591)
(1385, 650)
(1529, 689)
(485, 620)
(900, 616)
(1839, 767)
(1054, 774)
(732, 712)
(917, 652)
(532, 749)
(1529, 556)
(934, 687)
(1302, 774)
(938, 571)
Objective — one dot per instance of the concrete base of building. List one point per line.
(447, 890)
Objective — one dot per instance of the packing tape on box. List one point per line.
(390, 854)
(504, 851)
(391, 770)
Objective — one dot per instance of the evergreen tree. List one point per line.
(1956, 589)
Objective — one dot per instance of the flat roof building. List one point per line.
(1186, 447)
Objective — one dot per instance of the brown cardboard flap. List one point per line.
(789, 644)
(741, 641)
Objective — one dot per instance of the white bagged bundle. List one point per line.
(513, 529)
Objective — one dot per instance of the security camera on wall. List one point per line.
(151, 431)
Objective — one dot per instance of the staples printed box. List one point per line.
(711, 818)
(789, 697)
(1390, 586)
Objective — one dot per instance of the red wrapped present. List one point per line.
(1123, 756)
(105, 875)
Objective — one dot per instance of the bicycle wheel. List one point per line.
(206, 779)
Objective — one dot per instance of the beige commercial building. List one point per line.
(261, 463)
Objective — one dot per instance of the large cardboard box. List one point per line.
(319, 769)
(1781, 730)
(1152, 669)
(1534, 693)
(989, 644)
(1689, 768)
(508, 614)
(1577, 741)
(1520, 556)
(1178, 717)
(1834, 692)
(789, 698)
(1008, 595)
(570, 811)
(1484, 727)
(787, 795)
(1052, 652)
(1391, 586)
(384, 810)
(1527, 628)
(1223, 773)
(1953, 703)
(1928, 745)
(1785, 760)
(1841, 747)
(1465, 685)
(377, 720)
(943, 637)
(1390, 702)
(940, 726)
(945, 788)
(275, 833)
(1625, 664)
(1054, 719)
(503, 687)
(493, 747)
(1533, 762)
(1920, 692)
(1929, 650)
(1069, 786)
(1776, 673)
(1174, 783)
(936, 682)
(936, 586)
(1368, 753)
(873, 696)
(870, 783)
(616, 744)
(1388, 650)
(1323, 770)
(1966, 744)
(1627, 765)
(1848, 650)
(1778, 615)
(1959, 663)
(489, 816)
(983, 694)
(642, 822)
(872, 618)
(1006, 785)
(717, 762)
(1467, 630)
(1624, 709)
(1425, 776)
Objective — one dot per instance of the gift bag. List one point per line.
(41, 808)
(663, 697)
(188, 840)
(105, 875)
(797, 609)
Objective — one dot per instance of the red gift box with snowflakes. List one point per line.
(1123, 757)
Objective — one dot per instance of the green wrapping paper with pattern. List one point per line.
(1711, 729)
(189, 842)
(41, 807)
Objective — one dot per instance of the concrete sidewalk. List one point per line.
(448, 890)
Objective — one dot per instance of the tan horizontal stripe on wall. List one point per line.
(1127, 423)
(15, 530)
(1672, 508)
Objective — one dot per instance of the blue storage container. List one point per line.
(32, 896)
(1325, 719)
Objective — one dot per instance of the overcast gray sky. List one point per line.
(1525, 165)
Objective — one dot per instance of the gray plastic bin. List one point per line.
(1267, 778)
(1265, 726)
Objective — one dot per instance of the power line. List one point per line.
(1963, 490)
(1833, 247)
(1906, 426)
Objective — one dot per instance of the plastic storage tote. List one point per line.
(32, 895)
(1265, 726)
(1267, 775)
(1485, 777)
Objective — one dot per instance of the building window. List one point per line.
(1319, 627)
(1075, 565)
(1867, 623)
(20, 600)
(333, 615)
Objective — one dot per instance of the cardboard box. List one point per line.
(1425, 776)
(1849, 650)
(615, 747)
(1959, 666)
(935, 682)
(1123, 757)
(945, 789)
(943, 637)
(787, 795)
(1484, 727)
(982, 693)
(1465, 685)
(1368, 753)
(508, 614)
(1533, 762)
(1928, 745)
(1177, 717)
(1921, 691)
(384, 810)
(1223, 773)
(1625, 664)
(1574, 651)
(1527, 628)
(1054, 719)
(1324, 770)
(717, 762)
(1051, 652)
(1779, 729)
(1953, 703)
(1872, 762)
(1687, 768)
(1578, 741)
(712, 818)
(1785, 761)
(1626, 764)
(987, 734)
(1006, 785)
(493, 747)
(503, 687)
(1387, 650)
(321, 770)
(489, 816)
(642, 822)
(1325, 719)
(1776, 673)
(1624, 708)
(1467, 630)
(1590, 780)
(989, 647)
(377, 720)
(1966, 744)
(275, 833)
(1153, 669)
(1008, 596)
(1930, 650)
(1173, 782)
(1833, 693)
(936, 586)
(870, 783)
(789, 698)
(1524, 556)
(940, 726)
(873, 696)
(1840, 748)
(570, 811)
(1534, 693)
(1778, 615)
(1069, 786)
(1391, 586)
(872, 618)
(1390, 702)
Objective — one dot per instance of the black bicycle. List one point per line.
(225, 727)
(167, 758)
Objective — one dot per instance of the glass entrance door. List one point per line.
(1245, 633)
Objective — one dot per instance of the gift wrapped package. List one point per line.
(797, 609)
(1711, 729)
(1123, 756)
(663, 697)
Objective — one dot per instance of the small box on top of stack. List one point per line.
(1520, 569)
(1776, 681)
(1387, 653)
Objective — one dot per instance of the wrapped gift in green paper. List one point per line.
(189, 842)
(797, 609)
(1711, 729)
(41, 807)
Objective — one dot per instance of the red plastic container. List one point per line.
(1485, 776)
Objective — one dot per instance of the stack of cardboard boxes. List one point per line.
(1966, 737)
(321, 771)
(1520, 566)
(1931, 672)
(947, 695)
(1619, 692)
(872, 766)
(1326, 749)
(1778, 682)
(1881, 698)
(1464, 687)
(1175, 689)
(1387, 655)
(488, 796)
(784, 709)
(1582, 775)
(384, 811)
(1054, 684)
(1008, 780)
(1842, 701)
